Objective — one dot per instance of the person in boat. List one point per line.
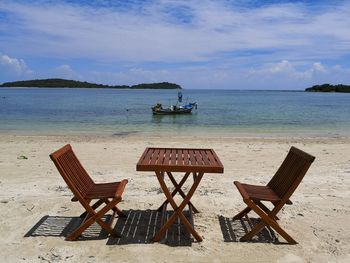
(158, 106)
(179, 96)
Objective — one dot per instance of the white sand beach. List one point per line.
(32, 188)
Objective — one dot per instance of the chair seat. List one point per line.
(106, 190)
(258, 192)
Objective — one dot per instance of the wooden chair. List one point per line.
(85, 190)
(277, 191)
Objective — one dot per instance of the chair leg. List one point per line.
(279, 230)
(242, 213)
(255, 230)
(266, 220)
(88, 223)
(77, 232)
(95, 217)
(272, 224)
(120, 213)
(116, 209)
(94, 206)
(266, 210)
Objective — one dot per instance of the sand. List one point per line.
(31, 189)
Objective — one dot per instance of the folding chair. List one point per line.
(85, 190)
(277, 191)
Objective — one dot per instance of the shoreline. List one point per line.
(191, 137)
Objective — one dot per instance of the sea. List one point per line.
(113, 112)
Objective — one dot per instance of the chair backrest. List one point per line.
(290, 173)
(73, 173)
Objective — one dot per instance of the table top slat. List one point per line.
(210, 157)
(192, 158)
(148, 156)
(173, 157)
(216, 159)
(143, 156)
(155, 157)
(186, 158)
(180, 157)
(205, 157)
(167, 157)
(161, 156)
(180, 160)
(198, 156)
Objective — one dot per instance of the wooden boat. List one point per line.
(186, 109)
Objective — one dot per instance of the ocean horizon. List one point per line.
(70, 111)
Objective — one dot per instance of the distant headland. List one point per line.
(65, 83)
(329, 88)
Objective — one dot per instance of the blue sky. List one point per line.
(197, 44)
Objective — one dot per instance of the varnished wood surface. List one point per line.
(180, 160)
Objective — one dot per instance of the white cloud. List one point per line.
(64, 71)
(63, 29)
(317, 66)
(12, 67)
(16, 65)
(283, 66)
(287, 75)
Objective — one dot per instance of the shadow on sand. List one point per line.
(137, 228)
(141, 225)
(233, 230)
(62, 226)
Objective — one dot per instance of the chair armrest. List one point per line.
(120, 188)
(242, 191)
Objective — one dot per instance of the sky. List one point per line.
(198, 44)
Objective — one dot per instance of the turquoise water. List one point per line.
(221, 112)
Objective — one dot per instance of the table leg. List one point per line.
(183, 180)
(178, 209)
(178, 190)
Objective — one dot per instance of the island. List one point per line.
(65, 83)
(329, 88)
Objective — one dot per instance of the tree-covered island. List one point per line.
(329, 88)
(64, 83)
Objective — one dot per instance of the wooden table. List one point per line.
(168, 160)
